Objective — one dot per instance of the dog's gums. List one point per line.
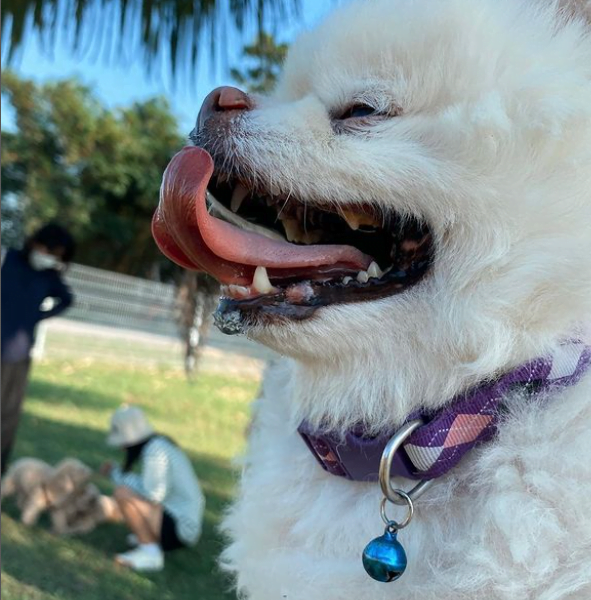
(278, 255)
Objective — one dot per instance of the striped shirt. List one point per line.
(167, 478)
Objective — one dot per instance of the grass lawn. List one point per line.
(66, 414)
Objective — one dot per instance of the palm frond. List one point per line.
(153, 32)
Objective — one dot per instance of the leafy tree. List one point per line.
(96, 170)
(152, 31)
(264, 59)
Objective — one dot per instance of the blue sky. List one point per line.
(119, 85)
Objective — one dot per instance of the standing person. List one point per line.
(162, 505)
(29, 276)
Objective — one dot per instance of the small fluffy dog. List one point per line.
(407, 218)
(85, 509)
(75, 505)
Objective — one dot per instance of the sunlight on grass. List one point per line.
(67, 414)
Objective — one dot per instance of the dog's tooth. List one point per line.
(357, 219)
(224, 289)
(311, 237)
(362, 277)
(374, 271)
(351, 218)
(347, 279)
(239, 291)
(261, 282)
(300, 213)
(238, 196)
(292, 229)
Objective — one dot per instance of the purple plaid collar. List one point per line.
(440, 443)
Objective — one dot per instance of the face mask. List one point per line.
(41, 261)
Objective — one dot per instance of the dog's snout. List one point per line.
(223, 99)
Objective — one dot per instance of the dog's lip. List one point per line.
(191, 237)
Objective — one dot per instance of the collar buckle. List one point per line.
(388, 455)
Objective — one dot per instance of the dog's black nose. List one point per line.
(223, 99)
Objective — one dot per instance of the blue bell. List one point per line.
(384, 558)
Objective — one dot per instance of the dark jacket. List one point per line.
(23, 291)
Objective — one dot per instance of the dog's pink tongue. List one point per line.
(190, 236)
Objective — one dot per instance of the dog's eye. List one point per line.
(358, 110)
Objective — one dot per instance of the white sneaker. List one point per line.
(141, 559)
(131, 540)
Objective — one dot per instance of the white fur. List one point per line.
(493, 150)
(511, 522)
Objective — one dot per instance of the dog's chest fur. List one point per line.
(510, 522)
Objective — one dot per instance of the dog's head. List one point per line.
(70, 476)
(430, 163)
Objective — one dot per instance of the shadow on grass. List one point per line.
(56, 393)
(73, 568)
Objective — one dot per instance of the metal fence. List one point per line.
(116, 300)
(127, 318)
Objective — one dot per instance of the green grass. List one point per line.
(66, 414)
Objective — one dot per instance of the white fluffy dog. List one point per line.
(471, 121)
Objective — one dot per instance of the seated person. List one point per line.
(162, 505)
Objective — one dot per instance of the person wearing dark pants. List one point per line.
(29, 276)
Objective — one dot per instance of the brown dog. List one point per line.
(64, 490)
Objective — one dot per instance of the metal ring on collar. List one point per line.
(390, 450)
(395, 525)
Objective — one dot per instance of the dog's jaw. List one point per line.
(379, 381)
